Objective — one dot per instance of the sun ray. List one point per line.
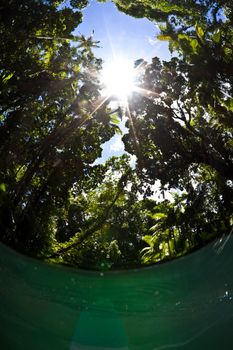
(145, 92)
(99, 103)
(120, 79)
(136, 140)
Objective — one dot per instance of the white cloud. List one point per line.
(152, 40)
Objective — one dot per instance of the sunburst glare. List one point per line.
(118, 79)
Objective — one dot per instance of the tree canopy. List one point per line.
(49, 91)
(56, 203)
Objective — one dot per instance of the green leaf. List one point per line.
(115, 119)
(200, 31)
(227, 52)
(6, 78)
(118, 131)
(153, 228)
(3, 187)
(148, 239)
(159, 216)
(228, 104)
(184, 36)
(216, 36)
(194, 44)
(163, 37)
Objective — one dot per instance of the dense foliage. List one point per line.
(49, 133)
(54, 202)
(183, 122)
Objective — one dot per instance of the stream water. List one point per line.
(184, 304)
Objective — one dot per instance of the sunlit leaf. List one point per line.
(194, 44)
(216, 36)
(228, 104)
(200, 31)
(115, 119)
(164, 37)
(148, 239)
(159, 216)
(6, 78)
(3, 187)
(118, 130)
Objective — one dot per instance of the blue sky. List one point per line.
(120, 36)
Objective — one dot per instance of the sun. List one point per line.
(118, 79)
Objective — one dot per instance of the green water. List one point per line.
(184, 304)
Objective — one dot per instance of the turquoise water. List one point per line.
(184, 304)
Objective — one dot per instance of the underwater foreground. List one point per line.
(184, 304)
